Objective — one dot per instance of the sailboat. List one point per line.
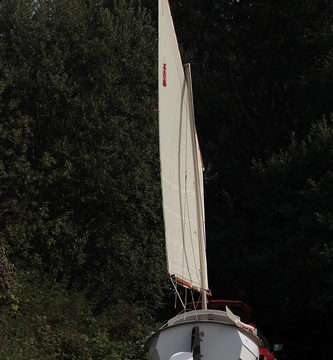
(200, 334)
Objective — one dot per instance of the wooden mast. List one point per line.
(199, 207)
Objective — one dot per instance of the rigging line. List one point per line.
(186, 204)
(194, 307)
(175, 306)
(180, 298)
(193, 301)
(186, 211)
(197, 273)
(184, 239)
(185, 299)
(185, 184)
(199, 300)
(180, 182)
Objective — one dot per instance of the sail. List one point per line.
(177, 160)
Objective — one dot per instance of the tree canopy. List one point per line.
(82, 264)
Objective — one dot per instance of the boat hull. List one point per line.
(217, 341)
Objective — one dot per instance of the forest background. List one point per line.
(82, 264)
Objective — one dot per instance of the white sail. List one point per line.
(177, 164)
(205, 334)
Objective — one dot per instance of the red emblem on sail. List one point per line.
(164, 75)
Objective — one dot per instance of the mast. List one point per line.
(201, 238)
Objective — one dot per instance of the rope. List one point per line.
(176, 290)
(193, 302)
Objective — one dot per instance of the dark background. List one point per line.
(82, 264)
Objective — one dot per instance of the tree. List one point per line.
(292, 256)
(79, 105)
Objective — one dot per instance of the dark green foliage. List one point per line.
(80, 145)
(79, 175)
(292, 255)
(42, 320)
(80, 203)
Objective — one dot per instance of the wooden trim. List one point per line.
(187, 284)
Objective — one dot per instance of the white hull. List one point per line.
(217, 335)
